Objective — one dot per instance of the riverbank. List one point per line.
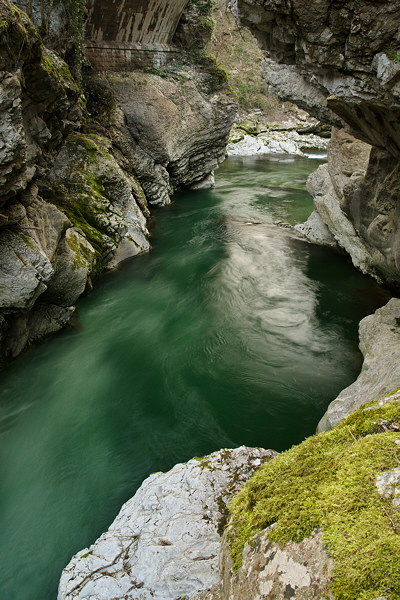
(270, 565)
(254, 137)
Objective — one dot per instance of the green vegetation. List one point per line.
(58, 69)
(201, 22)
(394, 55)
(76, 54)
(196, 61)
(69, 44)
(85, 210)
(328, 483)
(216, 75)
(82, 197)
(238, 53)
(203, 7)
(82, 255)
(16, 29)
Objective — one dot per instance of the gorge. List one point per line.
(85, 154)
(231, 349)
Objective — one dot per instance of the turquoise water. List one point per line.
(231, 331)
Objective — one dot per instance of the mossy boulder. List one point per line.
(196, 25)
(88, 185)
(248, 126)
(329, 484)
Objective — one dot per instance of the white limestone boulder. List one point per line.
(165, 542)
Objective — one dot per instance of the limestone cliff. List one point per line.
(340, 61)
(79, 164)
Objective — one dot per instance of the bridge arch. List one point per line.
(123, 34)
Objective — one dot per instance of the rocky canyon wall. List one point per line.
(81, 163)
(341, 62)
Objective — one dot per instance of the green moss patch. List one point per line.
(18, 36)
(81, 195)
(58, 69)
(83, 257)
(328, 483)
(12, 17)
(85, 211)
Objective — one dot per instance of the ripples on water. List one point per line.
(231, 331)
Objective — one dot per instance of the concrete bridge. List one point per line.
(123, 34)
(120, 34)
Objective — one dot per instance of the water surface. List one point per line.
(231, 331)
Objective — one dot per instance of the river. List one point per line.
(230, 331)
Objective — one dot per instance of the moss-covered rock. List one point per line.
(328, 483)
(41, 103)
(88, 185)
(61, 27)
(249, 126)
(196, 25)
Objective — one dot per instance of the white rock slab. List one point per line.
(165, 542)
(276, 142)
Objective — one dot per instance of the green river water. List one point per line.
(229, 332)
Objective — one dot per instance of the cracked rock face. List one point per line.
(85, 214)
(340, 62)
(380, 373)
(74, 203)
(295, 571)
(165, 542)
(356, 196)
(39, 102)
(177, 133)
(341, 59)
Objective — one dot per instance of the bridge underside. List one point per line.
(125, 34)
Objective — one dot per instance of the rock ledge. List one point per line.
(165, 541)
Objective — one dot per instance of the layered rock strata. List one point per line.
(165, 541)
(340, 62)
(176, 131)
(74, 192)
(346, 54)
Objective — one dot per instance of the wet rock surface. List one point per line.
(355, 197)
(340, 52)
(341, 64)
(74, 194)
(178, 131)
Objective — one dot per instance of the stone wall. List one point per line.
(148, 22)
(125, 57)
